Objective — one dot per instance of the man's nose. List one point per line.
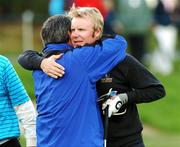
(75, 33)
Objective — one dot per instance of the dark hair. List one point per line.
(55, 29)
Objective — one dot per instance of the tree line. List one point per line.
(13, 9)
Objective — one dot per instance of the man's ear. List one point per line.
(98, 33)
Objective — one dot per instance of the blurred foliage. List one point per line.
(164, 114)
(11, 38)
(12, 9)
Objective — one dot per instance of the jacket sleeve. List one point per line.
(30, 60)
(147, 94)
(145, 87)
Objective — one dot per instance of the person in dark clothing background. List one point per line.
(133, 18)
(164, 29)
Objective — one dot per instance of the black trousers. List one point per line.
(138, 145)
(133, 145)
(138, 46)
(11, 143)
(136, 142)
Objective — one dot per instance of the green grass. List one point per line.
(22, 141)
(164, 113)
(162, 140)
(26, 77)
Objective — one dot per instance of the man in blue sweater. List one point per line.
(68, 113)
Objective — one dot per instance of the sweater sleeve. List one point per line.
(145, 87)
(27, 118)
(30, 60)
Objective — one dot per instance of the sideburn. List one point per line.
(94, 35)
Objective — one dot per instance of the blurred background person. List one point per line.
(133, 18)
(99, 4)
(165, 33)
(108, 22)
(176, 15)
(56, 7)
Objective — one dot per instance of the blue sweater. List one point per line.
(68, 113)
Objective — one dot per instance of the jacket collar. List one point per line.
(62, 47)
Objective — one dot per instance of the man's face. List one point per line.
(82, 32)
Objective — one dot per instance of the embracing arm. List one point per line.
(32, 60)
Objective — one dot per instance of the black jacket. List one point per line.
(130, 77)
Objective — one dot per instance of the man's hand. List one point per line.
(115, 103)
(51, 68)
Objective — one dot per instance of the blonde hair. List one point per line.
(90, 12)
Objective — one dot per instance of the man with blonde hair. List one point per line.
(92, 13)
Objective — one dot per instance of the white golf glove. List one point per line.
(115, 103)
